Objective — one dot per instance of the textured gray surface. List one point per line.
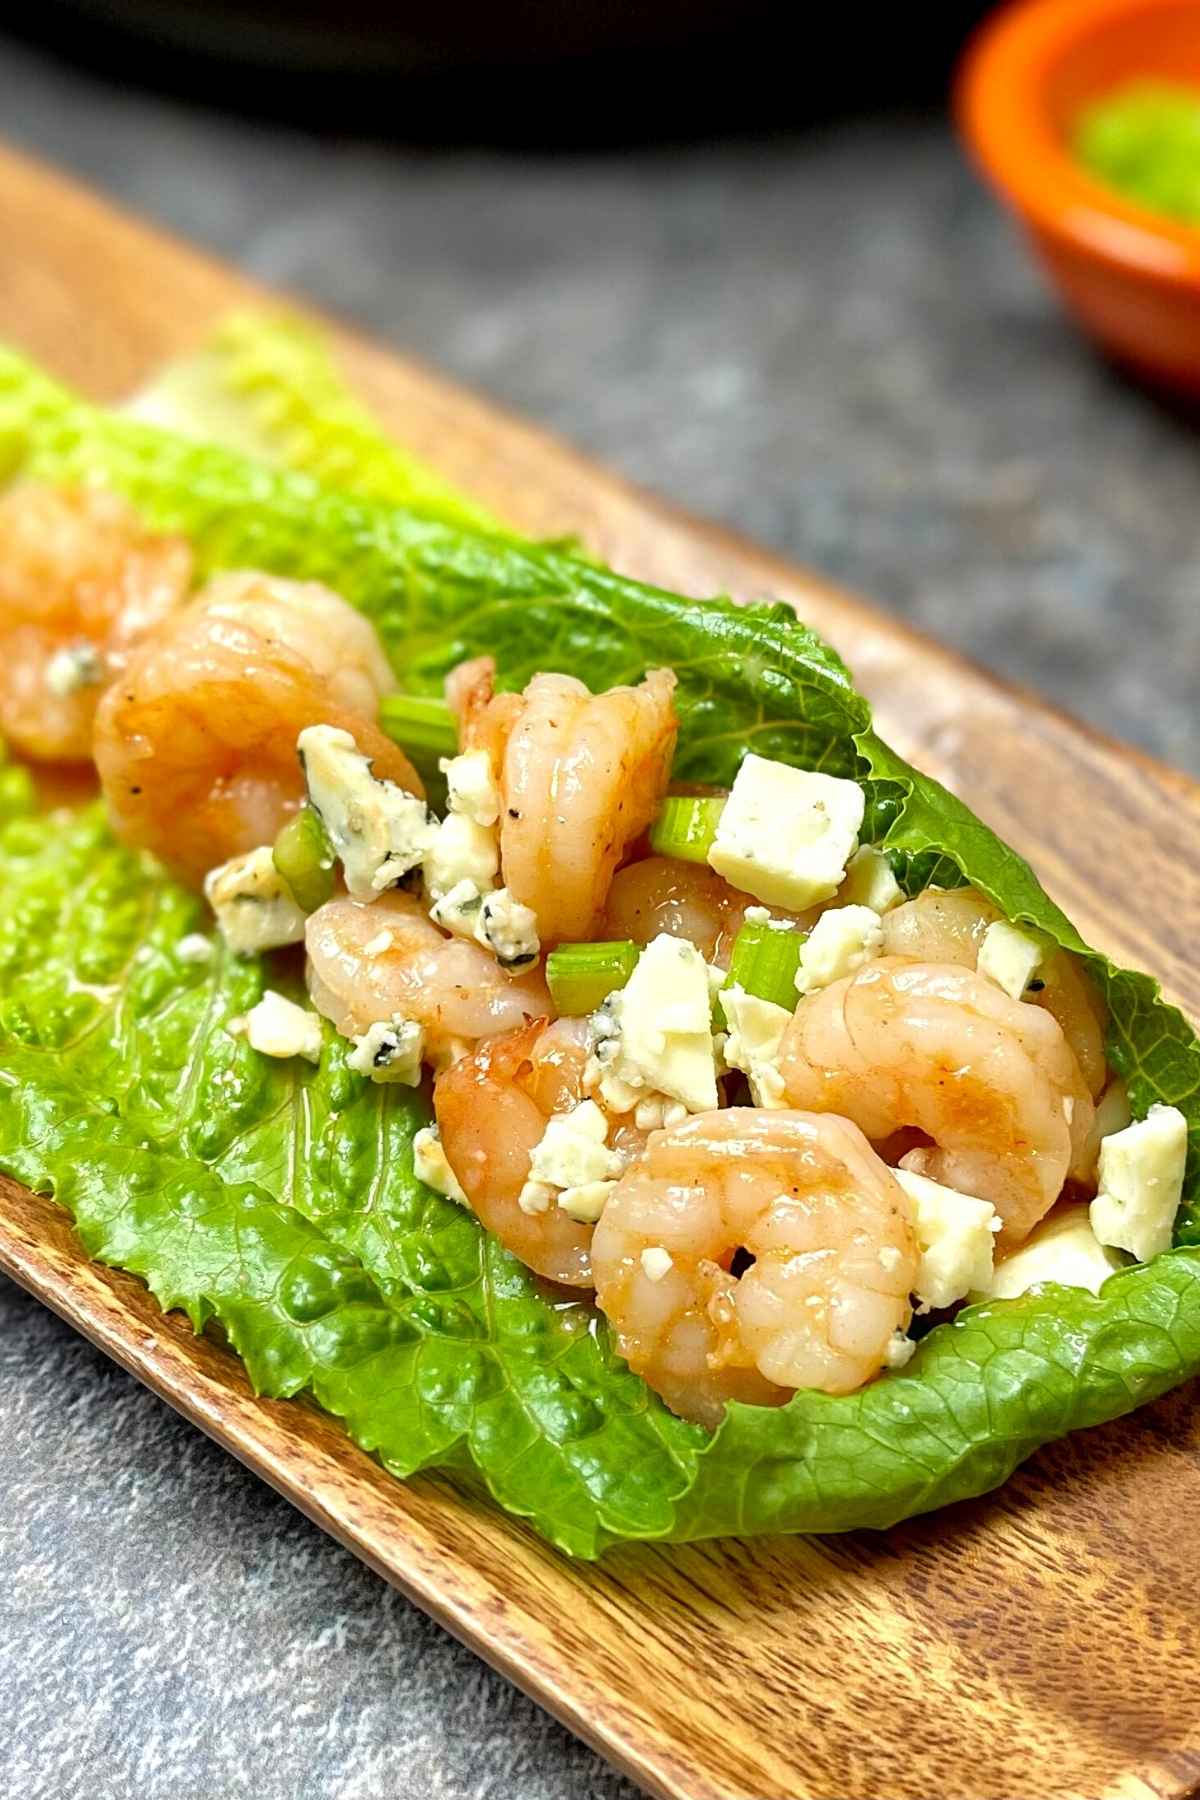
(829, 342)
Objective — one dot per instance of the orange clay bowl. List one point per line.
(1132, 279)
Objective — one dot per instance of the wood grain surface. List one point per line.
(1040, 1643)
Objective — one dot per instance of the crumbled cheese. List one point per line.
(253, 906)
(390, 1050)
(508, 929)
(785, 835)
(655, 1034)
(471, 786)
(956, 1235)
(1009, 957)
(841, 941)
(194, 948)
(431, 1166)
(379, 832)
(73, 667)
(572, 1150)
(535, 1197)
(278, 1027)
(870, 881)
(1063, 1248)
(457, 910)
(459, 850)
(1113, 1113)
(586, 1201)
(1141, 1183)
(761, 915)
(656, 1262)
(899, 1351)
(657, 1113)
(756, 1032)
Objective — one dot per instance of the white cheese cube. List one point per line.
(535, 1197)
(508, 930)
(1141, 1183)
(471, 787)
(253, 907)
(390, 1050)
(900, 1351)
(587, 1201)
(378, 832)
(656, 1033)
(753, 1043)
(956, 1235)
(431, 1166)
(278, 1027)
(458, 909)
(656, 1262)
(1063, 1248)
(1009, 957)
(786, 835)
(572, 1151)
(870, 882)
(459, 850)
(842, 940)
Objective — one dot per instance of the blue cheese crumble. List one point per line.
(379, 832)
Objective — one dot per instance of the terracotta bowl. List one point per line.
(1132, 279)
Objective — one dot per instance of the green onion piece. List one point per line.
(422, 725)
(686, 827)
(764, 962)
(581, 976)
(304, 857)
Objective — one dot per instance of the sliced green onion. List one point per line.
(581, 976)
(422, 725)
(686, 827)
(764, 962)
(304, 857)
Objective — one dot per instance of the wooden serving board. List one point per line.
(1040, 1643)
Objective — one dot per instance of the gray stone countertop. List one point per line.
(831, 341)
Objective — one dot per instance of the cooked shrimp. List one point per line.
(835, 1260)
(947, 926)
(686, 900)
(492, 1111)
(581, 776)
(991, 1081)
(81, 581)
(368, 962)
(196, 745)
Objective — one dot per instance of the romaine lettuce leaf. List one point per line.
(218, 1175)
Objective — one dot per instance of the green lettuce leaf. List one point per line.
(253, 1195)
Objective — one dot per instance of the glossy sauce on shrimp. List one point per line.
(830, 1233)
(81, 583)
(196, 744)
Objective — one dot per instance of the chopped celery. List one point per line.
(304, 857)
(423, 726)
(764, 961)
(686, 827)
(581, 976)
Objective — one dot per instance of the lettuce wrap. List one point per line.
(277, 1201)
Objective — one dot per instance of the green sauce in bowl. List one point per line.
(1144, 141)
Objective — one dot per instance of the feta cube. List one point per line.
(786, 835)
(841, 941)
(573, 1152)
(390, 1050)
(753, 1043)
(1009, 957)
(1141, 1183)
(656, 1033)
(508, 930)
(870, 881)
(431, 1166)
(1063, 1248)
(459, 850)
(253, 907)
(656, 1262)
(378, 832)
(956, 1235)
(278, 1027)
(471, 787)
